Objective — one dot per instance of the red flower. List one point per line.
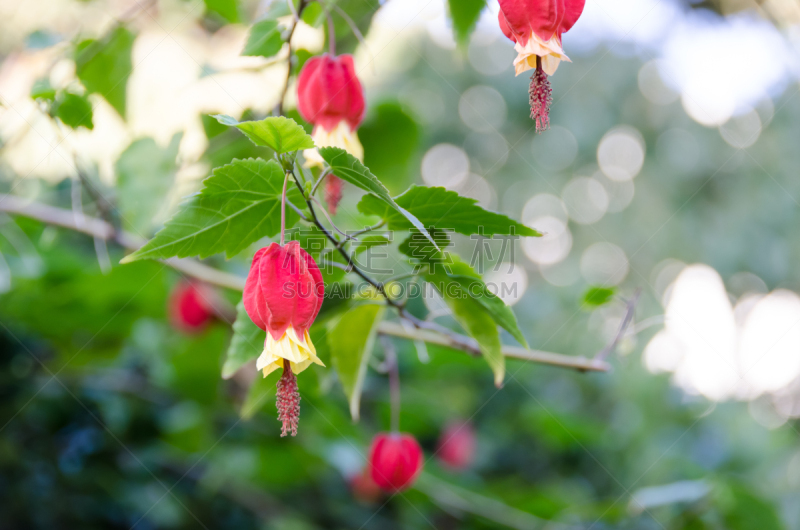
(282, 295)
(395, 460)
(457, 446)
(189, 307)
(330, 96)
(536, 26)
(328, 92)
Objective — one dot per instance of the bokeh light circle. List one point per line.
(620, 153)
(445, 165)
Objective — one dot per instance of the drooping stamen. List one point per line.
(288, 401)
(541, 96)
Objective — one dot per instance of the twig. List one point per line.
(368, 229)
(98, 228)
(328, 217)
(451, 497)
(296, 21)
(357, 33)
(461, 342)
(283, 209)
(331, 35)
(318, 182)
(629, 310)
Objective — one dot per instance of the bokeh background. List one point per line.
(670, 167)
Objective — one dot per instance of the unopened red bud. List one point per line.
(189, 307)
(333, 192)
(395, 461)
(457, 446)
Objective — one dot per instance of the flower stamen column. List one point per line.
(541, 96)
(535, 27)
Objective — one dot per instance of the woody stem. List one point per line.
(283, 209)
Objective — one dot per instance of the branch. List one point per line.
(630, 307)
(455, 499)
(429, 332)
(289, 60)
(464, 343)
(100, 229)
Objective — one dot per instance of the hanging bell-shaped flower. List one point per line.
(283, 295)
(536, 27)
(330, 96)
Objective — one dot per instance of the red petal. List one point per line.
(328, 92)
(573, 11)
(252, 297)
(284, 288)
(544, 17)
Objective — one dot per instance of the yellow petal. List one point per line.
(550, 51)
(300, 352)
(341, 136)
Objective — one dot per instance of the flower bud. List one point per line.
(282, 295)
(330, 96)
(333, 192)
(457, 446)
(189, 308)
(395, 460)
(328, 92)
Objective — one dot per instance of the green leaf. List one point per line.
(744, 510)
(347, 167)
(368, 242)
(474, 318)
(350, 341)
(240, 204)
(246, 344)
(473, 285)
(227, 9)
(73, 110)
(444, 209)
(104, 66)
(465, 14)
(145, 173)
(43, 90)
(313, 14)
(280, 134)
(418, 247)
(597, 296)
(265, 39)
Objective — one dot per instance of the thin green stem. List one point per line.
(319, 181)
(283, 209)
